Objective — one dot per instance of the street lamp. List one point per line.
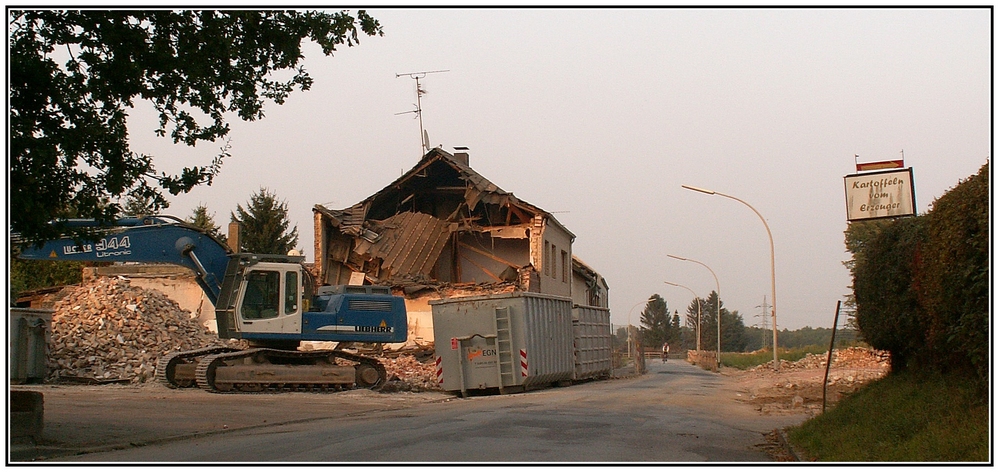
(717, 299)
(698, 334)
(773, 272)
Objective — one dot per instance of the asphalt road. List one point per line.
(676, 413)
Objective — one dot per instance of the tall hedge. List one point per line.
(888, 311)
(921, 284)
(954, 282)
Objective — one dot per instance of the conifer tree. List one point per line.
(264, 225)
(201, 219)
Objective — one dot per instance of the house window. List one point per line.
(547, 256)
(554, 273)
(565, 267)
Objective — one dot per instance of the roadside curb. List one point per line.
(791, 450)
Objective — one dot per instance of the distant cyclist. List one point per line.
(665, 352)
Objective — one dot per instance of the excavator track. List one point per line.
(176, 370)
(275, 370)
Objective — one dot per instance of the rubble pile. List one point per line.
(108, 330)
(849, 358)
(859, 357)
(406, 373)
(804, 386)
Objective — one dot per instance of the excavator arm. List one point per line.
(264, 299)
(149, 239)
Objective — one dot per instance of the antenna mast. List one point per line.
(424, 138)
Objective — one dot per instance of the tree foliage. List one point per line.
(858, 236)
(757, 338)
(201, 219)
(953, 285)
(888, 311)
(137, 205)
(657, 325)
(733, 330)
(264, 225)
(74, 76)
(28, 275)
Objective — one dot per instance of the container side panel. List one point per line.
(548, 324)
(591, 331)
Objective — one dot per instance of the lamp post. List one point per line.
(717, 300)
(773, 272)
(698, 327)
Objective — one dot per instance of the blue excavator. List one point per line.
(270, 301)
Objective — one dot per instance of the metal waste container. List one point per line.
(29, 334)
(510, 341)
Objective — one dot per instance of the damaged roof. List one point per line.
(404, 227)
(475, 189)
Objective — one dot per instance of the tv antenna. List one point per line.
(424, 137)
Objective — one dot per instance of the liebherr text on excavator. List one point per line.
(270, 301)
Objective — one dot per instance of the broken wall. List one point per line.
(474, 257)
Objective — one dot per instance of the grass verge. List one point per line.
(743, 361)
(908, 417)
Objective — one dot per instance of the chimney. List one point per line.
(233, 239)
(461, 154)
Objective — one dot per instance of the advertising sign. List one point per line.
(886, 194)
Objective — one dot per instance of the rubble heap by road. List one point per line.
(799, 385)
(110, 330)
(864, 364)
(406, 373)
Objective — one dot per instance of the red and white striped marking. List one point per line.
(523, 363)
(440, 370)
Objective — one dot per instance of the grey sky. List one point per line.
(599, 115)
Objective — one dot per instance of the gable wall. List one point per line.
(554, 260)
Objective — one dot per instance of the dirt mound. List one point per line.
(108, 330)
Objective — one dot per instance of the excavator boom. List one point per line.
(149, 239)
(267, 300)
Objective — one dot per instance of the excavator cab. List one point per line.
(269, 300)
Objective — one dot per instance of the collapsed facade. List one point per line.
(443, 230)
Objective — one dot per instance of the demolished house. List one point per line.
(442, 230)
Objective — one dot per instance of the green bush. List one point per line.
(921, 284)
(953, 284)
(30, 275)
(888, 311)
